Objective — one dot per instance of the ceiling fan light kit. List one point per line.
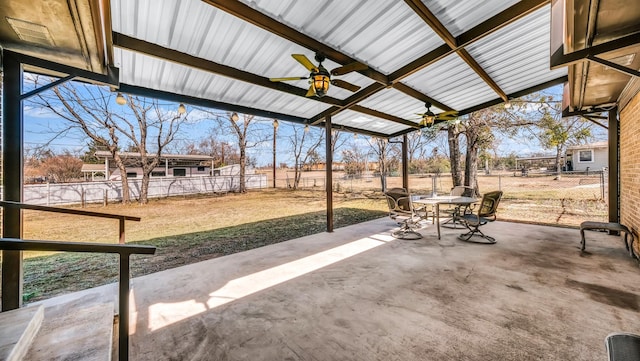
(428, 117)
(320, 78)
(320, 82)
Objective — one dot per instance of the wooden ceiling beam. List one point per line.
(518, 94)
(355, 130)
(349, 102)
(141, 46)
(500, 20)
(252, 16)
(425, 14)
(473, 64)
(432, 21)
(418, 95)
(422, 62)
(227, 107)
(381, 115)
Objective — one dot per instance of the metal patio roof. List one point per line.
(454, 54)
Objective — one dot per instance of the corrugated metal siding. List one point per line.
(517, 56)
(386, 34)
(459, 16)
(451, 82)
(394, 102)
(153, 73)
(362, 121)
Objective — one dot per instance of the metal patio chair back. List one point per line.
(484, 213)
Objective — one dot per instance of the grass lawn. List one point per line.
(185, 230)
(191, 229)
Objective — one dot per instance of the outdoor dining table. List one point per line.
(438, 200)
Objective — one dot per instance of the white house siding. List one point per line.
(600, 158)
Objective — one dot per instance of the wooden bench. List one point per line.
(610, 226)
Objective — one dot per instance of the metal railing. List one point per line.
(120, 218)
(124, 250)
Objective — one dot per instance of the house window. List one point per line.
(179, 172)
(158, 174)
(585, 156)
(200, 169)
(132, 174)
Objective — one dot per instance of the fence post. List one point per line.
(48, 193)
(602, 184)
(83, 201)
(105, 202)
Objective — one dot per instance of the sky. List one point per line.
(41, 126)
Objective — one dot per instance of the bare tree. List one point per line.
(479, 137)
(338, 139)
(414, 143)
(153, 124)
(354, 160)
(453, 138)
(242, 127)
(223, 152)
(304, 143)
(95, 120)
(387, 157)
(143, 123)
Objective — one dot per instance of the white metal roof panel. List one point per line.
(452, 82)
(363, 121)
(196, 28)
(394, 102)
(459, 16)
(384, 34)
(153, 73)
(517, 56)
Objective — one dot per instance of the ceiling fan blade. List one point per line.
(452, 112)
(302, 59)
(345, 85)
(289, 78)
(355, 66)
(310, 92)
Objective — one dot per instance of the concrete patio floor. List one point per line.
(359, 294)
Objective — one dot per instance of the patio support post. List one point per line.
(405, 163)
(329, 173)
(275, 131)
(614, 166)
(12, 153)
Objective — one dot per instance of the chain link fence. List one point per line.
(541, 197)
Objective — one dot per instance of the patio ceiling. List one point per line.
(221, 53)
(601, 49)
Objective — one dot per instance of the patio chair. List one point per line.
(401, 210)
(485, 213)
(623, 347)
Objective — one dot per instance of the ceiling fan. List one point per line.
(428, 118)
(320, 78)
